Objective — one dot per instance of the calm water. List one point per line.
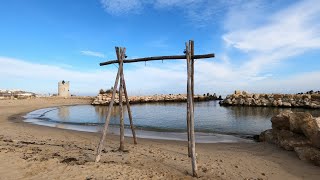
(164, 118)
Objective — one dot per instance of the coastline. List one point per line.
(37, 152)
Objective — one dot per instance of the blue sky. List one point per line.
(261, 46)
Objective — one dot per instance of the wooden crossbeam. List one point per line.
(157, 58)
(190, 57)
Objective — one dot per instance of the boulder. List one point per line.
(289, 140)
(284, 138)
(277, 96)
(228, 101)
(286, 104)
(275, 103)
(256, 96)
(313, 130)
(297, 119)
(238, 92)
(267, 136)
(281, 121)
(308, 153)
(315, 97)
(306, 96)
(288, 96)
(241, 101)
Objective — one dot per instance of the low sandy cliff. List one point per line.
(244, 98)
(299, 132)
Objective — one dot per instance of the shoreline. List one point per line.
(37, 152)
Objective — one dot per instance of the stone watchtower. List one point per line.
(63, 89)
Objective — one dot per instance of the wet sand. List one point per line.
(30, 151)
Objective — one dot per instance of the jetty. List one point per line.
(302, 100)
(105, 99)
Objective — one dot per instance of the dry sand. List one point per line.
(36, 152)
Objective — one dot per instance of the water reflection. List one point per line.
(103, 110)
(209, 117)
(243, 111)
(64, 113)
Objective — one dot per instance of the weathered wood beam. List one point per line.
(191, 110)
(121, 55)
(105, 128)
(156, 58)
(128, 108)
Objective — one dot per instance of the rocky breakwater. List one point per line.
(104, 99)
(299, 132)
(244, 98)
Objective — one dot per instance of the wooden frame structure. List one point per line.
(190, 57)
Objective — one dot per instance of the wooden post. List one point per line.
(105, 128)
(191, 110)
(127, 99)
(191, 44)
(188, 107)
(121, 54)
(129, 109)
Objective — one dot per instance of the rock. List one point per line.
(314, 105)
(238, 92)
(286, 104)
(285, 100)
(297, 119)
(267, 136)
(284, 138)
(315, 97)
(306, 96)
(242, 101)
(281, 121)
(256, 96)
(297, 131)
(248, 101)
(288, 96)
(289, 140)
(277, 96)
(308, 153)
(275, 103)
(228, 102)
(313, 130)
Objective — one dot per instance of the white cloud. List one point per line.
(210, 76)
(93, 53)
(297, 27)
(141, 79)
(287, 33)
(120, 7)
(197, 11)
(44, 78)
(177, 3)
(266, 39)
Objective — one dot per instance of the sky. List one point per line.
(269, 46)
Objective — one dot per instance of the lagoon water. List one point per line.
(213, 123)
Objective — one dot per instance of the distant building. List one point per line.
(64, 89)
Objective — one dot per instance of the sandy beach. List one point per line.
(37, 152)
